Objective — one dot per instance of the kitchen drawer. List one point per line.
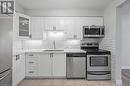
(31, 61)
(31, 73)
(32, 55)
(28, 67)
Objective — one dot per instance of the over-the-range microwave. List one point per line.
(93, 31)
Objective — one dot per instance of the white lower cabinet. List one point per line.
(18, 69)
(59, 65)
(32, 65)
(46, 65)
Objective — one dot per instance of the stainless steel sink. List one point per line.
(54, 50)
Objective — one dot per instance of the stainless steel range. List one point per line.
(98, 62)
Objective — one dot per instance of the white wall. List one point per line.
(64, 12)
(126, 41)
(17, 43)
(19, 8)
(110, 41)
(125, 38)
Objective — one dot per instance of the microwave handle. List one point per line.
(102, 30)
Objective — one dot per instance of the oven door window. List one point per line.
(92, 31)
(99, 61)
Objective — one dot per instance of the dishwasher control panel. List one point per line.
(75, 54)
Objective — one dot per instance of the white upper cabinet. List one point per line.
(37, 28)
(74, 28)
(88, 21)
(74, 25)
(21, 26)
(71, 26)
(51, 22)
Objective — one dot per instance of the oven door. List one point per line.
(98, 63)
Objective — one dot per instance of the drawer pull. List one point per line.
(17, 57)
(31, 71)
(31, 55)
(30, 62)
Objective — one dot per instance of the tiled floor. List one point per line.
(64, 82)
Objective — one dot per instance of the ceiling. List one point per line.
(125, 8)
(64, 4)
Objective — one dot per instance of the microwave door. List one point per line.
(91, 32)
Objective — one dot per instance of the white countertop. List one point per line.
(74, 50)
(47, 51)
(17, 52)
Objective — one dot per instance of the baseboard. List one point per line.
(125, 67)
(118, 82)
(45, 77)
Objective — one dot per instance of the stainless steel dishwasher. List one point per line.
(76, 65)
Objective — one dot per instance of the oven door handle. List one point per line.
(99, 73)
(98, 55)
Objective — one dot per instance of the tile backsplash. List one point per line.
(17, 44)
(49, 44)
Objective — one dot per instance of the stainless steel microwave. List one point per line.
(93, 31)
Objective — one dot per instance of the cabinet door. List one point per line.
(69, 28)
(88, 21)
(37, 28)
(22, 67)
(59, 65)
(15, 71)
(45, 64)
(21, 26)
(78, 28)
(18, 69)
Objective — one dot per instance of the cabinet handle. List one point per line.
(52, 55)
(31, 71)
(31, 55)
(31, 62)
(30, 36)
(17, 57)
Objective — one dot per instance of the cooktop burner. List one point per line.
(93, 48)
(96, 51)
